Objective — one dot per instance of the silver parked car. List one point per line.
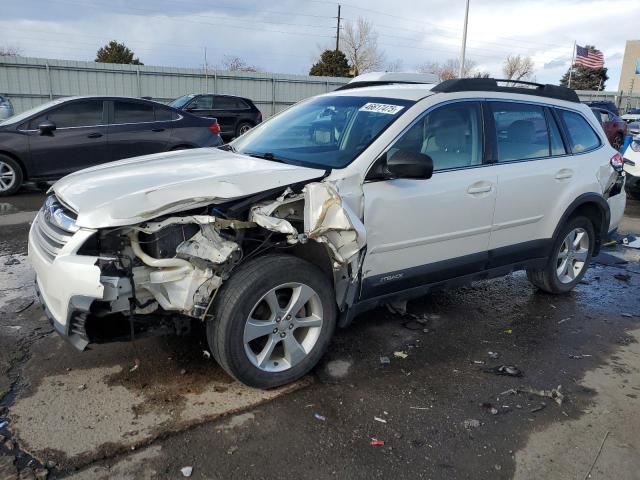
(6, 109)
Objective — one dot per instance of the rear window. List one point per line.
(163, 114)
(581, 136)
(132, 112)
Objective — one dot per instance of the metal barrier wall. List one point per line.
(31, 81)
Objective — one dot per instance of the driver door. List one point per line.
(427, 231)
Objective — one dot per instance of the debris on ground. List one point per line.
(493, 355)
(186, 471)
(631, 242)
(593, 464)
(508, 330)
(376, 443)
(609, 243)
(554, 394)
(82, 387)
(12, 261)
(579, 356)
(136, 364)
(41, 473)
(471, 423)
(22, 309)
(378, 419)
(413, 325)
(490, 408)
(626, 315)
(206, 354)
(508, 370)
(322, 418)
(232, 449)
(4, 424)
(542, 406)
(398, 308)
(400, 355)
(183, 372)
(564, 320)
(623, 277)
(385, 360)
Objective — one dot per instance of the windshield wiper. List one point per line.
(266, 156)
(227, 148)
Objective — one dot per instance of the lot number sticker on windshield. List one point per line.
(381, 108)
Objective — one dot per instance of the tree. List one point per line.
(517, 67)
(360, 44)
(583, 78)
(451, 69)
(9, 51)
(332, 63)
(396, 66)
(115, 52)
(237, 64)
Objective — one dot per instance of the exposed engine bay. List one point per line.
(176, 263)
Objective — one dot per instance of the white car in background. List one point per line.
(384, 190)
(6, 108)
(632, 115)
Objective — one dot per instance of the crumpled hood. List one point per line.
(130, 191)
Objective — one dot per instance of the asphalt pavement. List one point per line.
(399, 395)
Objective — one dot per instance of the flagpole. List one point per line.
(573, 61)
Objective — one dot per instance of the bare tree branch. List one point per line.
(10, 51)
(450, 69)
(237, 64)
(517, 67)
(360, 45)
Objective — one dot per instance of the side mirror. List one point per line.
(410, 164)
(46, 127)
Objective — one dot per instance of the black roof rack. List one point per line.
(374, 83)
(491, 85)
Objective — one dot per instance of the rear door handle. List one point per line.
(94, 135)
(564, 174)
(159, 129)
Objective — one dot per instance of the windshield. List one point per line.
(26, 114)
(324, 132)
(182, 101)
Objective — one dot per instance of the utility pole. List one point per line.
(338, 31)
(573, 61)
(206, 71)
(464, 40)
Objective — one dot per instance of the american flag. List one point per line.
(589, 58)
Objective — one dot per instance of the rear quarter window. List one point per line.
(581, 135)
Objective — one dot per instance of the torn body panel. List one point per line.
(174, 265)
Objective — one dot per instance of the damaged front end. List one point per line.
(155, 277)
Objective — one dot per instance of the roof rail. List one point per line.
(491, 85)
(389, 78)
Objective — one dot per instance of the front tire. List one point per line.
(273, 320)
(11, 176)
(569, 259)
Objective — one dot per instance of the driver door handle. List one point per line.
(159, 129)
(94, 135)
(479, 188)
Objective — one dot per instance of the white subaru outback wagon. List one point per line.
(386, 189)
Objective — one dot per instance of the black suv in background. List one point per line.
(69, 134)
(236, 115)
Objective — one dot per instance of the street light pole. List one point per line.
(464, 40)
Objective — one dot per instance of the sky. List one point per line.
(287, 36)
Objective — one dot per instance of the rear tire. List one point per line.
(569, 258)
(261, 334)
(617, 142)
(11, 176)
(243, 127)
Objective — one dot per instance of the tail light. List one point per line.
(617, 162)
(259, 117)
(215, 128)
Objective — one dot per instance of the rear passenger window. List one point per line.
(163, 114)
(581, 135)
(225, 103)
(521, 131)
(132, 112)
(451, 135)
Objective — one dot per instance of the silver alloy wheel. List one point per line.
(244, 129)
(572, 256)
(7, 176)
(283, 327)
